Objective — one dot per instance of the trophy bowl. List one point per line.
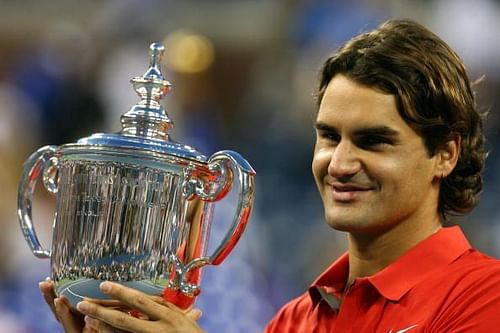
(135, 207)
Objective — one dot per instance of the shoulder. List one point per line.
(291, 314)
(477, 265)
(472, 295)
(474, 275)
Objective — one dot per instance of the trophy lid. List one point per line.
(146, 125)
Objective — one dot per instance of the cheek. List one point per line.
(409, 175)
(320, 162)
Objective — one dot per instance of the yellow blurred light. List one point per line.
(188, 52)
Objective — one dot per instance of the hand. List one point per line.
(72, 321)
(159, 315)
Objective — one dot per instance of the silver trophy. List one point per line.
(134, 207)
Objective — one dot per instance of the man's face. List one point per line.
(371, 168)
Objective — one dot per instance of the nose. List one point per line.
(344, 161)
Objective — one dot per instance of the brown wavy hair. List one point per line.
(433, 95)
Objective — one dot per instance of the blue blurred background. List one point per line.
(244, 75)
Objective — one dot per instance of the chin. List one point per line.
(343, 224)
(348, 222)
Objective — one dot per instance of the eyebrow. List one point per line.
(375, 130)
(321, 126)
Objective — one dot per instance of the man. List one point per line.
(399, 148)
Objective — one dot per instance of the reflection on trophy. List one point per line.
(135, 207)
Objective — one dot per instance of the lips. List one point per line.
(348, 192)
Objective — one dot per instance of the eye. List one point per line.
(373, 141)
(330, 136)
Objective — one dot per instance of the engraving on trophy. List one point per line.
(93, 196)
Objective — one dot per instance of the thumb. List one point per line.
(194, 314)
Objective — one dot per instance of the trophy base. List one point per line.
(76, 290)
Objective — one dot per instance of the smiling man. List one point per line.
(399, 148)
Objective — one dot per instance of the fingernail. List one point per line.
(91, 322)
(197, 313)
(58, 304)
(82, 306)
(105, 286)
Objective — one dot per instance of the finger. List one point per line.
(49, 294)
(158, 299)
(194, 314)
(110, 303)
(114, 318)
(67, 319)
(87, 329)
(162, 301)
(95, 325)
(92, 323)
(138, 300)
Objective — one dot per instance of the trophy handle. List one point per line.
(183, 286)
(246, 177)
(41, 161)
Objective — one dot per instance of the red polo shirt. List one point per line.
(440, 285)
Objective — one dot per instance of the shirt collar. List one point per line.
(433, 253)
(398, 278)
(332, 281)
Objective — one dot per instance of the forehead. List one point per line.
(346, 102)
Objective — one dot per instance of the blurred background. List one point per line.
(244, 73)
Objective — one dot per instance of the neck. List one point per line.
(369, 253)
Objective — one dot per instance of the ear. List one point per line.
(447, 156)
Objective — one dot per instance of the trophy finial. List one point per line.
(155, 54)
(148, 118)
